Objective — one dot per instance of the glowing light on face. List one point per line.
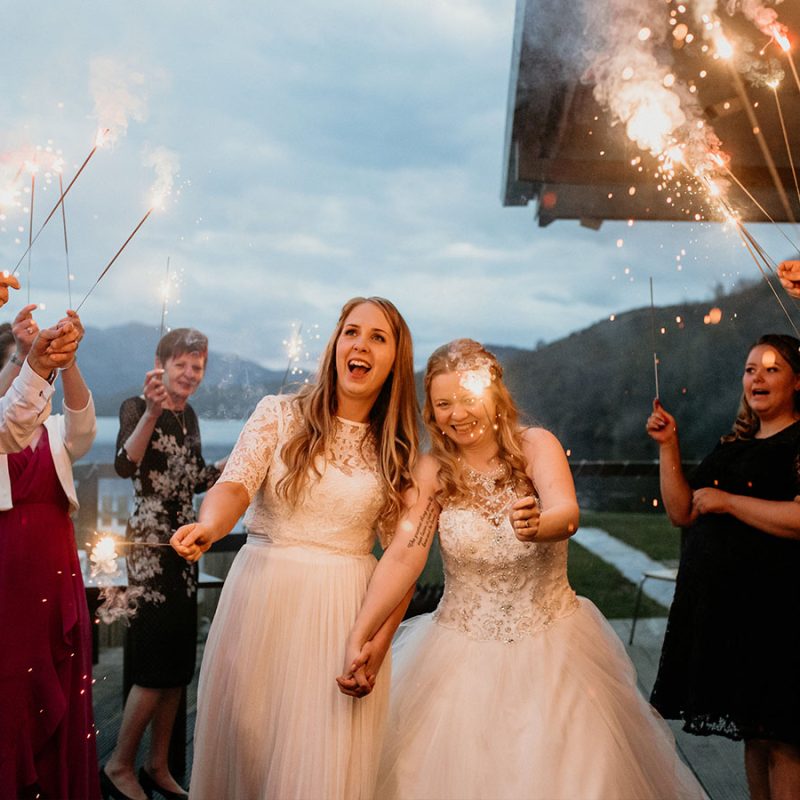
(476, 381)
(768, 359)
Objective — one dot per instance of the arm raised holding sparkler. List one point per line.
(26, 404)
(789, 275)
(6, 280)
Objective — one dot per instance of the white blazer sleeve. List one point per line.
(23, 408)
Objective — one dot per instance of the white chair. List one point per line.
(665, 574)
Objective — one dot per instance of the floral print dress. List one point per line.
(163, 632)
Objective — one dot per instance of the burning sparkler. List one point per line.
(294, 348)
(99, 141)
(653, 334)
(164, 301)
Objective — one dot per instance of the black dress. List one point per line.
(731, 658)
(162, 637)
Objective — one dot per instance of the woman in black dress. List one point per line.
(158, 446)
(731, 658)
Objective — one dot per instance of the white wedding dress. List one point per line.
(271, 722)
(514, 687)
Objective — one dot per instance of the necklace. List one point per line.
(180, 418)
(495, 502)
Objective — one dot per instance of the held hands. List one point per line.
(191, 541)
(155, 393)
(789, 276)
(361, 668)
(661, 426)
(524, 518)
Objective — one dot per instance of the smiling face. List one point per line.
(769, 383)
(182, 375)
(460, 412)
(365, 354)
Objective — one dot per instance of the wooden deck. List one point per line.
(717, 762)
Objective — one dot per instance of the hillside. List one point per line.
(593, 389)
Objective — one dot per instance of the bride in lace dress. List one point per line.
(317, 470)
(514, 687)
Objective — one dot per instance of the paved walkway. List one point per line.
(632, 563)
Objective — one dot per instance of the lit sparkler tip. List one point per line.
(103, 137)
(723, 47)
(779, 32)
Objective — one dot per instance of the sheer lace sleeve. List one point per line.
(130, 413)
(249, 462)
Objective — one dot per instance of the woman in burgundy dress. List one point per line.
(47, 736)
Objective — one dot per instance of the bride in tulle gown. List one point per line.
(318, 470)
(514, 687)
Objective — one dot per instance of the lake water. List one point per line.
(218, 436)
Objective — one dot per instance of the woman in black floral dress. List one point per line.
(731, 658)
(158, 446)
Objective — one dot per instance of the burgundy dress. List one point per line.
(47, 736)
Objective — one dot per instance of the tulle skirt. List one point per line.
(553, 716)
(271, 722)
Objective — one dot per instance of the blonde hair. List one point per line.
(392, 419)
(747, 423)
(467, 355)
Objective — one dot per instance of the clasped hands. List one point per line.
(49, 348)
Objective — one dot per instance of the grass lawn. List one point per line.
(651, 533)
(606, 587)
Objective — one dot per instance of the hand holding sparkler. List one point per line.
(524, 515)
(24, 329)
(191, 541)
(661, 426)
(6, 280)
(789, 276)
(74, 321)
(155, 393)
(53, 348)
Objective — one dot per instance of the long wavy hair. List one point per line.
(392, 419)
(747, 423)
(465, 356)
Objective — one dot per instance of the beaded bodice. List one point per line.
(339, 507)
(497, 587)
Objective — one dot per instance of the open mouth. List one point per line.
(760, 393)
(358, 368)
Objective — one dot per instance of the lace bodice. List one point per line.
(497, 587)
(337, 512)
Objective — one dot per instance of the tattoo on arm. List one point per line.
(426, 526)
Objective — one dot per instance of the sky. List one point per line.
(325, 150)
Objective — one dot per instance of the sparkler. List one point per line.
(33, 168)
(653, 332)
(98, 143)
(116, 256)
(103, 554)
(66, 243)
(294, 346)
(164, 301)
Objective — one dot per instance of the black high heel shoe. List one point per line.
(149, 785)
(109, 790)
